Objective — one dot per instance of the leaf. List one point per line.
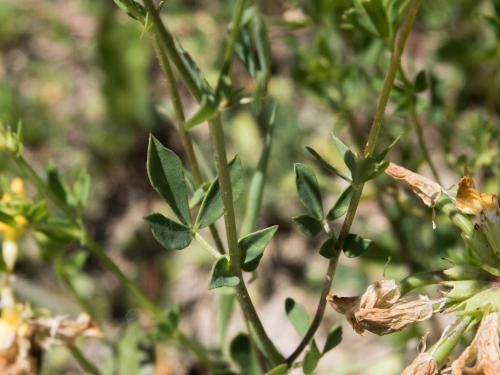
(328, 248)
(198, 195)
(167, 324)
(168, 233)
(242, 354)
(226, 304)
(278, 370)
(341, 205)
(209, 107)
(211, 208)
(81, 188)
(56, 185)
(311, 358)
(341, 146)
(381, 157)
(297, 316)
(308, 225)
(37, 212)
(354, 245)
(326, 166)
(378, 16)
(333, 339)
(420, 82)
(252, 247)
(222, 274)
(166, 174)
(308, 189)
(8, 219)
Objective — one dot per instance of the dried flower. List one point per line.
(484, 348)
(381, 310)
(428, 190)
(424, 364)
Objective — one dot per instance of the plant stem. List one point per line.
(357, 190)
(186, 139)
(84, 363)
(419, 280)
(414, 120)
(198, 237)
(196, 350)
(441, 349)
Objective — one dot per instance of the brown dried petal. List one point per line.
(484, 348)
(472, 202)
(428, 190)
(380, 309)
(424, 364)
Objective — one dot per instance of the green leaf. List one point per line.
(37, 212)
(168, 233)
(341, 146)
(308, 189)
(198, 195)
(211, 208)
(297, 316)
(311, 358)
(8, 219)
(381, 157)
(278, 370)
(56, 185)
(81, 188)
(378, 16)
(226, 304)
(420, 82)
(167, 325)
(242, 354)
(354, 245)
(252, 247)
(341, 205)
(222, 274)
(325, 165)
(308, 225)
(328, 248)
(333, 339)
(166, 174)
(209, 107)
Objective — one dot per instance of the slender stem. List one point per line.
(415, 121)
(198, 351)
(357, 190)
(84, 363)
(168, 42)
(198, 237)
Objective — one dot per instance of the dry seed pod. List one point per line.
(428, 190)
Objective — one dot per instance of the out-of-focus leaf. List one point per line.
(56, 184)
(378, 16)
(297, 316)
(252, 247)
(168, 233)
(209, 107)
(242, 354)
(341, 205)
(278, 370)
(81, 188)
(421, 82)
(222, 274)
(354, 245)
(308, 225)
(311, 358)
(167, 324)
(333, 339)
(328, 248)
(308, 189)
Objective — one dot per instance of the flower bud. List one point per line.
(9, 253)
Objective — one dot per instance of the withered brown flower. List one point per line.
(381, 310)
(424, 364)
(484, 349)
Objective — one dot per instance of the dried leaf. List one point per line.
(484, 348)
(381, 310)
(424, 364)
(428, 190)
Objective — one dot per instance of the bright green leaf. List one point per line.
(252, 247)
(354, 245)
(166, 174)
(308, 225)
(297, 316)
(308, 189)
(222, 274)
(311, 358)
(168, 233)
(341, 205)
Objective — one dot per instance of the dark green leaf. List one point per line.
(378, 16)
(211, 208)
(311, 358)
(327, 166)
(222, 274)
(421, 82)
(328, 248)
(308, 189)
(56, 185)
(333, 339)
(166, 174)
(252, 247)
(308, 225)
(351, 162)
(341, 205)
(8, 219)
(297, 316)
(243, 355)
(354, 245)
(168, 233)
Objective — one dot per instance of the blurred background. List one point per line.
(82, 78)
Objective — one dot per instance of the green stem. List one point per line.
(445, 205)
(442, 349)
(168, 42)
(419, 280)
(357, 190)
(84, 363)
(198, 237)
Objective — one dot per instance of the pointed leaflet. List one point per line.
(56, 185)
(168, 233)
(297, 316)
(308, 225)
(354, 245)
(327, 250)
(211, 208)
(348, 156)
(243, 355)
(333, 339)
(166, 174)
(325, 165)
(222, 274)
(308, 189)
(252, 247)
(341, 205)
